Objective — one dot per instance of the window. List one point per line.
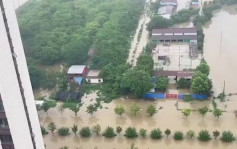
(99, 80)
(3, 123)
(1, 107)
(6, 139)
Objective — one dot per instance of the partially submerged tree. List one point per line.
(186, 112)
(201, 84)
(91, 109)
(119, 129)
(96, 129)
(51, 127)
(216, 133)
(151, 110)
(119, 109)
(74, 129)
(203, 111)
(135, 109)
(190, 134)
(217, 112)
(167, 132)
(75, 107)
(47, 105)
(162, 83)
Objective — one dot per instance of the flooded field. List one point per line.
(220, 49)
(167, 117)
(220, 54)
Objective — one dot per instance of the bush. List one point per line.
(63, 131)
(43, 130)
(142, 132)
(190, 134)
(167, 132)
(131, 132)
(227, 136)
(183, 83)
(109, 132)
(204, 135)
(85, 132)
(156, 134)
(178, 135)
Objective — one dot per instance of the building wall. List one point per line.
(94, 80)
(9, 87)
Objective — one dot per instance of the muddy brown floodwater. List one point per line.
(223, 65)
(220, 49)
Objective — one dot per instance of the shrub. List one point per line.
(52, 127)
(74, 129)
(216, 134)
(85, 132)
(109, 132)
(142, 132)
(63, 131)
(151, 110)
(204, 135)
(178, 135)
(167, 132)
(190, 134)
(184, 83)
(227, 136)
(156, 134)
(119, 129)
(96, 129)
(43, 130)
(131, 132)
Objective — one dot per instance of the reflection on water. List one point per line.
(167, 117)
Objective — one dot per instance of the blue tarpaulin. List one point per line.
(154, 96)
(78, 80)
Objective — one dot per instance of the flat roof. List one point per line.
(182, 74)
(174, 30)
(93, 73)
(76, 69)
(168, 1)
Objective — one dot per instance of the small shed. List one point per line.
(76, 71)
(93, 77)
(63, 96)
(168, 2)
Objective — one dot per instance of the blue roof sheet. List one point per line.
(78, 79)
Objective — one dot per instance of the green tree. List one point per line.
(158, 22)
(145, 62)
(142, 132)
(75, 107)
(203, 111)
(178, 135)
(91, 109)
(135, 109)
(47, 105)
(227, 136)
(217, 112)
(186, 112)
(74, 129)
(162, 83)
(63, 131)
(131, 132)
(119, 129)
(85, 132)
(156, 134)
(167, 132)
(137, 81)
(96, 129)
(109, 132)
(216, 133)
(119, 109)
(190, 134)
(52, 127)
(203, 67)
(183, 83)
(151, 110)
(201, 84)
(204, 135)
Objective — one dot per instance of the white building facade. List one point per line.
(19, 123)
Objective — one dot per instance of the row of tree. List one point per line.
(131, 132)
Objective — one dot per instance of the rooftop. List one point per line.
(182, 74)
(169, 1)
(175, 30)
(93, 73)
(76, 69)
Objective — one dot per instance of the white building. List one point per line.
(93, 77)
(19, 123)
(168, 2)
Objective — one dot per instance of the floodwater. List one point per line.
(167, 117)
(223, 64)
(220, 49)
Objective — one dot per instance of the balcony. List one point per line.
(2, 114)
(5, 131)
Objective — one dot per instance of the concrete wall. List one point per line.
(9, 87)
